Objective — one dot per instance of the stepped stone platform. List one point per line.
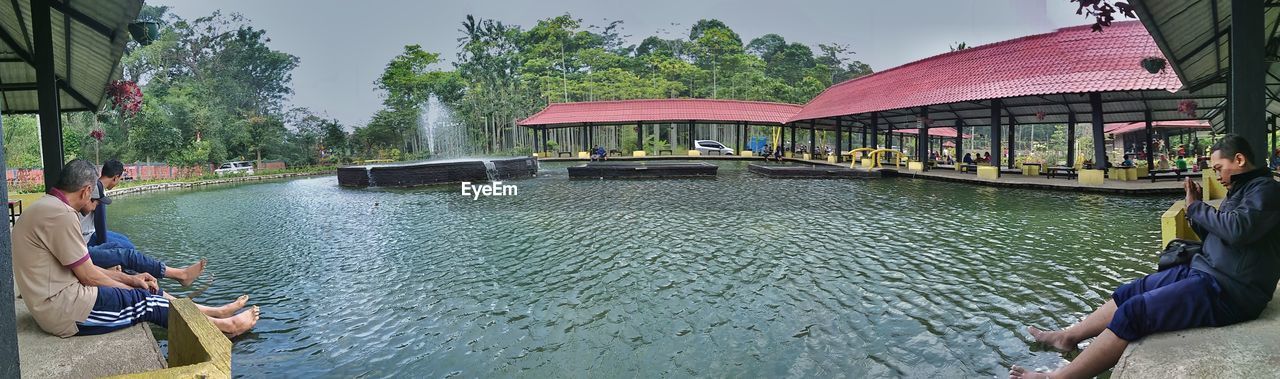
(43, 355)
(810, 171)
(437, 172)
(642, 170)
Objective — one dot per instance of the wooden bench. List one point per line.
(1061, 171)
(615, 152)
(13, 216)
(668, 151)
(564, 153)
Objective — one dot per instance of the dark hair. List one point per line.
(1232, 144)
(112, 168)
(77, 174)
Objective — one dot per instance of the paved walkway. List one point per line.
(1247, 350)
(42, 355)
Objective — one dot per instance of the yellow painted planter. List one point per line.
(1031, 170)
(638, 153)
(747, 153)
(787, 154)
(989, 172)
(1131, 174)
(535, 155)
(833, 159)
(867, 163)
(694, 153)
(1140, 172)
(584, 155)
(808, 156)
(1173, 224)
(1212, 189)
(1091, 177)
(915, 166)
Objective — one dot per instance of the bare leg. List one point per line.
(186, 275)
(1067, 339)
(225, 310)
(236, 325)
(1101, 355)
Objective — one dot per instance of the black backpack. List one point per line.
(1178, 251)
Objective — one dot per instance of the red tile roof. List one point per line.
(1069, 60)
(1130, 127)
(659, 110)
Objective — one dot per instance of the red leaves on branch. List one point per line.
(125, 96)
(97, 134)
(1187, 107)
(1040, 116)
(1102, 11)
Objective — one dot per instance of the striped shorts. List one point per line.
(118, 308)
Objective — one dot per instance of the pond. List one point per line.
(738, 276)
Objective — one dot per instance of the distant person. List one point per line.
(1163, 162)
(1181, 163)
(598, 153)
(67, 294)
(1128, 161)
(1275, 161)
(777, 154)
(968, 158)
(986, 157)
(1229, 281)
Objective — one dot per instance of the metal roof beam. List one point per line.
(83, 19)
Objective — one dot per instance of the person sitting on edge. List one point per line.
(1181, 163)
(1163, 163)
(1230, 281)
(67, 294)
(113, 253)
(968, 158)
(112, 174)
(777, 154)
(597, 153)
(986, 157)
(1128, 161)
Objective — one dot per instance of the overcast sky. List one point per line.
(344, 45)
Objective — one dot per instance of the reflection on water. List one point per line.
(739, 276)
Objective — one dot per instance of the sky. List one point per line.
(344, 45)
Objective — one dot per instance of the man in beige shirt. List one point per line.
(66, 293)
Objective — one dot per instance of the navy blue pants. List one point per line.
(112, 254)
(118, 308)
(1174, 299)
(116, 238)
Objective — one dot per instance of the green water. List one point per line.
(738, 276)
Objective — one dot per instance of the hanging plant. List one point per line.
(144, 32)
(97, 134)
(125, 96)
(1153, 65)
(1187, 107)
(1040, 116)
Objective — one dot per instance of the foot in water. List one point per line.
(189, 274)
(1017, 372)
(1058, 340)
(238, 324)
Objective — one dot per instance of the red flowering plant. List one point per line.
(97, 134)
(126, 96)
(1187, 107)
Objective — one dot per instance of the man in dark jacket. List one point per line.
(1230, 281)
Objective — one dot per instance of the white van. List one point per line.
(238, 167)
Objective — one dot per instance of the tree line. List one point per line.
(214, 90)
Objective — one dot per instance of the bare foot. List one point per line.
(1017, 372)
(224, 311)
(238, 324)
(191, 273)
(1057, 340)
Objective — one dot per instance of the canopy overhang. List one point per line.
(1045, 78)
(631, 112)
(88, 40)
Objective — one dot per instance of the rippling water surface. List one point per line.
(738, 276)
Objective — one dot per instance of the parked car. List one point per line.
(238, 167)
(705, 146)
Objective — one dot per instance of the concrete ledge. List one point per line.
(42, 355)
(196, 347)
(1245, 350)
(164, 186)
